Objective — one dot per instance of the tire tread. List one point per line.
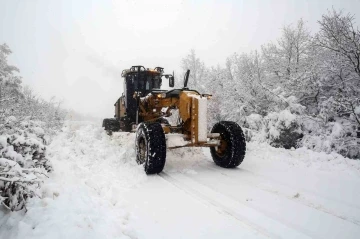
(237, 142)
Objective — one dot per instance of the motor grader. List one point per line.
(144, 108)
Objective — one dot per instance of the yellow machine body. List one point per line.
(192, 109)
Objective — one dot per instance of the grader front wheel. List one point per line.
(231, 150)
(151, 147)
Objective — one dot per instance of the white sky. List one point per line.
(76, 50)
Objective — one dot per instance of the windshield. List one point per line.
(144, 83)
(157, 82)
(153, 82)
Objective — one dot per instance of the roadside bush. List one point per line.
(338, 134)
(279, 129)
(23, 162)
(283, 129)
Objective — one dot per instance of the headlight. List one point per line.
(162, 95)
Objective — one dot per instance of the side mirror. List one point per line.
(171, 81)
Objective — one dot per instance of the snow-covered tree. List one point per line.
(198, 72)
(245, 85)
(291, 63)
(10, 84)
(216, 86)
(339, 41)
(26, 121)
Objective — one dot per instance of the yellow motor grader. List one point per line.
(144, 108)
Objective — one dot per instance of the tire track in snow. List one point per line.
(303, 189)
(231, 173)
(221, 203)
(246, 215)
(279, 193)
(303, 219)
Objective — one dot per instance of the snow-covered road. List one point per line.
(98, 191)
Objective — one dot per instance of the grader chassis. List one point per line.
(143, 108)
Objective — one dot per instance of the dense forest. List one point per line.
(301, 91)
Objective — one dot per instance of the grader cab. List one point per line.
(144, 108)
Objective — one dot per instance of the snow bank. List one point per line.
(83, 198)
(306, 158)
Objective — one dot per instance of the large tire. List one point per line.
(231, 151)
(150, 147)
(112, 125)
(105, 124)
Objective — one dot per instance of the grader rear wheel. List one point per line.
(231, 151)
(111, 125)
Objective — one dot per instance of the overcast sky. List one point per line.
(76, 50)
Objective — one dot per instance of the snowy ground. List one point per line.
(98, 191)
